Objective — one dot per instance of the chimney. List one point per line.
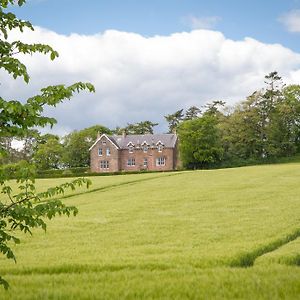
(124, 133)
(98, 135)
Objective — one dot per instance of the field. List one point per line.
(216, 234)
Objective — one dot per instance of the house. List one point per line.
(155, 152)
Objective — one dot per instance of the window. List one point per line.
(104, 164)
(145, 148)
(108, 151)
(160, 161)
(160, 147)
(131, 162)
(100, 151)
(104, 143)
(145, 162)
(130, 149)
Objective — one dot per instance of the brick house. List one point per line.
(156, 152)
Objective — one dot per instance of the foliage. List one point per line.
(143, 127)
(200, 143)
(49, 155)
(265, 125)
(24, 208)
(77, 144)
(174, 120)
(192, 113)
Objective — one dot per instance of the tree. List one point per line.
(77, 144)
(265, 125)
(25, 209)
(200, 142)
(49, 155)
(174, 120)
(143, 127)
(192, 113)
(213, 108)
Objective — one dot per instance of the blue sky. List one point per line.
(148, 59)
(236, 19)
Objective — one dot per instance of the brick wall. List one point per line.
(151, 155)
(113, 158)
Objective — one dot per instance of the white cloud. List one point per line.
(144, 78)
(291, 20)
(201, 22)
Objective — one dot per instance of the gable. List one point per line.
(104, 136)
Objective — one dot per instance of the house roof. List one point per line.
(168, 140)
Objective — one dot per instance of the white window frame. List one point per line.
(145, 163)
(100, 151)
(160, 147)
(131, 162)
(107, 151)
(160, 161)
(130, 146)
(104, 164)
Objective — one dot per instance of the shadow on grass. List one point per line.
(112, 186)
(78, 268)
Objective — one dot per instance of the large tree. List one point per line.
(200, 142)
(25, 208)
(77, 144)
(49, 155)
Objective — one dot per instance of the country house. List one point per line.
(155, 152)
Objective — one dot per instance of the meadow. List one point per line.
(213, 234)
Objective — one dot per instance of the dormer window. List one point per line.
(145, 147)
(159, 146)
(130, 147)
(100, 151)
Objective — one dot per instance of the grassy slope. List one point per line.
(165, 236)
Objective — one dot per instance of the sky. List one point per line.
(151, 58)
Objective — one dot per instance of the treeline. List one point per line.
(51, 151)
(263, 127)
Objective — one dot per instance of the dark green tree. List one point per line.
(213, 108)
(174, 120)
(77, 144)
(49, 155)
(143, 127)
(200, 142)
(192, 113)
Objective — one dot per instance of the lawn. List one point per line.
(217, 234)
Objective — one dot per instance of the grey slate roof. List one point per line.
(168, 140)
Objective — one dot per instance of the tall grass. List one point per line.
(159, 236)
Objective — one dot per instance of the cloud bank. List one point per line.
(144, 78)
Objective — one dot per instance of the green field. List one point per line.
(216, 234)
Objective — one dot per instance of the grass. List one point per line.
(168, 236)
